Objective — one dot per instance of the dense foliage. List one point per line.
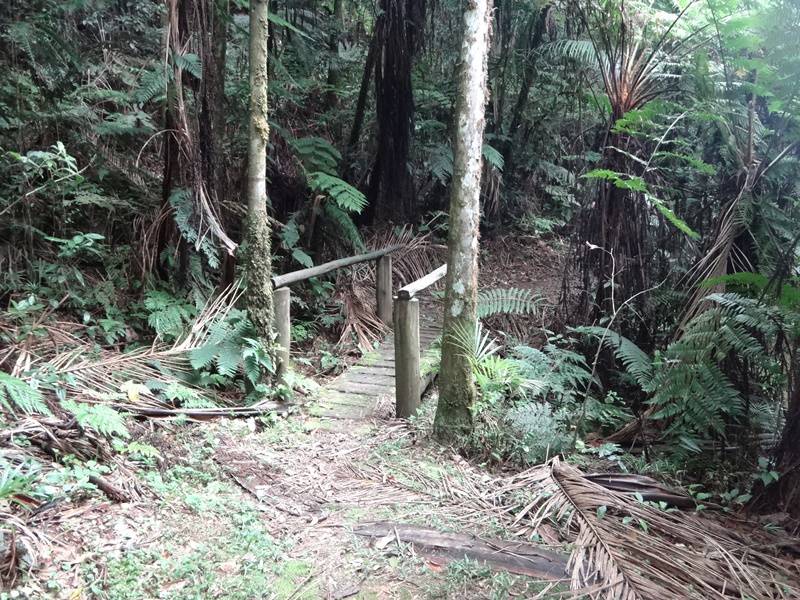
(660, 140)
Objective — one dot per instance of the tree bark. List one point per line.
(456, 387)
(361, 108)
(397, 30)
(258, 257)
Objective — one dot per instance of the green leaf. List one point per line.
(620, 180)
(100, 417)
(303, 258)
(15, 392)
(672, 217)
(493, 157)
(345, 195)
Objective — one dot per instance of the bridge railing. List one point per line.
(407, 375)
(283, 297)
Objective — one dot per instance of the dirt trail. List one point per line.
(245, 511)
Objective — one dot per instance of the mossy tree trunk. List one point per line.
(456, 387)
(258, 265)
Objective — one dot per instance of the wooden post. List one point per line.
(406, 356)
(283, 327)
(383, 288)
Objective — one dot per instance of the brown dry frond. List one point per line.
(356, 288)
(627, 549)
(109, 376)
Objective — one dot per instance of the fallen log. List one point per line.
(515, 557)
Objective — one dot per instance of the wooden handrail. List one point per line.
(280, 281)
(283, 296)
(407, 378)
(415, 287)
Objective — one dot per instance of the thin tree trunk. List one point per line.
(361, 107)
(536, 29)
(456, 388)
(333, 47)
(258, 267)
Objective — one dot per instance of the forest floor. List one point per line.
(238, 510)
(266, 508)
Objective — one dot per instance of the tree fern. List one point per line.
(345, 195)
(316, 154)
(514, 301)
(344, 225)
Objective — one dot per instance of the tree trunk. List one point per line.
(397, 30)
(333, 67)
(536, 29)
(361, 108)
(456, 387)
(258, 265)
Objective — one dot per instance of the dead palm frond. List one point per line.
(414, 259)
(629, 549)
(122, 378)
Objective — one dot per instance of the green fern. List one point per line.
(440, 162)
(99, 417)
(636, 361)
(513, 301)
(493, 157)
(345, 227)
(18, 394)
(186, 397)
(185, 219)
(687, 386)
(152, 86)
(168, 315)
(228, 348)
(345, 195)
(188, 62)
(316, 154)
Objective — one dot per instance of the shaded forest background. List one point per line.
(654, 144)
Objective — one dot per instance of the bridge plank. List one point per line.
(356, 393)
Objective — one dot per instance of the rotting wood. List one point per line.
(280, 281)
(516, 557)
(203, 414)
(415, 287)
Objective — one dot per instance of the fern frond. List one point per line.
(100, 417)
(18, 394)
(342, 221)
(317, 154)
(188, 62)
(511, 301)
(493, 156)
(636, 361)
(153, 85)
(345, 195)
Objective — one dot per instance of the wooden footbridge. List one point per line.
(399, 370)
